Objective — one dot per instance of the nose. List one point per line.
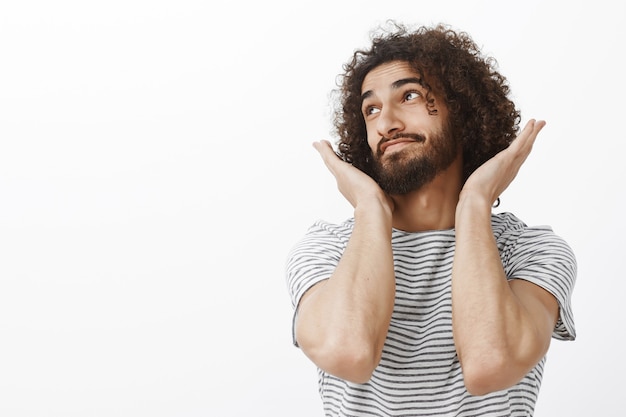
(389, 123)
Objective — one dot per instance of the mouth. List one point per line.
(408, 138)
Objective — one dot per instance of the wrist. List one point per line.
(374, 208)
(473, 205)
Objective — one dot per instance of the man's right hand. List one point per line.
(355, 185)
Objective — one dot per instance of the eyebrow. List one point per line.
(395, 85)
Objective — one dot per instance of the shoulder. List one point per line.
(506, 223)
(322, 240)
(510, 231)
(339, 230)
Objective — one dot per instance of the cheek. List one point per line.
(372, 139)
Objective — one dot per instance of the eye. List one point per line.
(370, 110)
(411, 95)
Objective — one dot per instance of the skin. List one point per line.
(501, 328)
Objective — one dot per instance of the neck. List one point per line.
(433, 206)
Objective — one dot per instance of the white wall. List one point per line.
(156, 166)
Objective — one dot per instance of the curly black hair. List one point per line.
(481, 115)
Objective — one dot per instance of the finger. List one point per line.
(533, 127)
(524, 142)
(327, 153)
(320, 145)
(534, 132)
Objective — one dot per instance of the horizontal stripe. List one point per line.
(419, 373)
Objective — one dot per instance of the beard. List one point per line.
(409, 169)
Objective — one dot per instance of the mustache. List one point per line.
(417, 137)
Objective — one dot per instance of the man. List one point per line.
(426, 303)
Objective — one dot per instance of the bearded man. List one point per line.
(425, 302)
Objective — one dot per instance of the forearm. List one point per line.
(343, 323)
(494, 335)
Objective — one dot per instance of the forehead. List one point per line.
(384, 75)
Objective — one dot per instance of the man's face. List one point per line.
(409, 145)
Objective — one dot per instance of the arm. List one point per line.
(342, 322)
(501, 328)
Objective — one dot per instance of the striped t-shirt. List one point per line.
(419, 373)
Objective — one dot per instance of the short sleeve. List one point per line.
(540, 256)
(314, 258)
